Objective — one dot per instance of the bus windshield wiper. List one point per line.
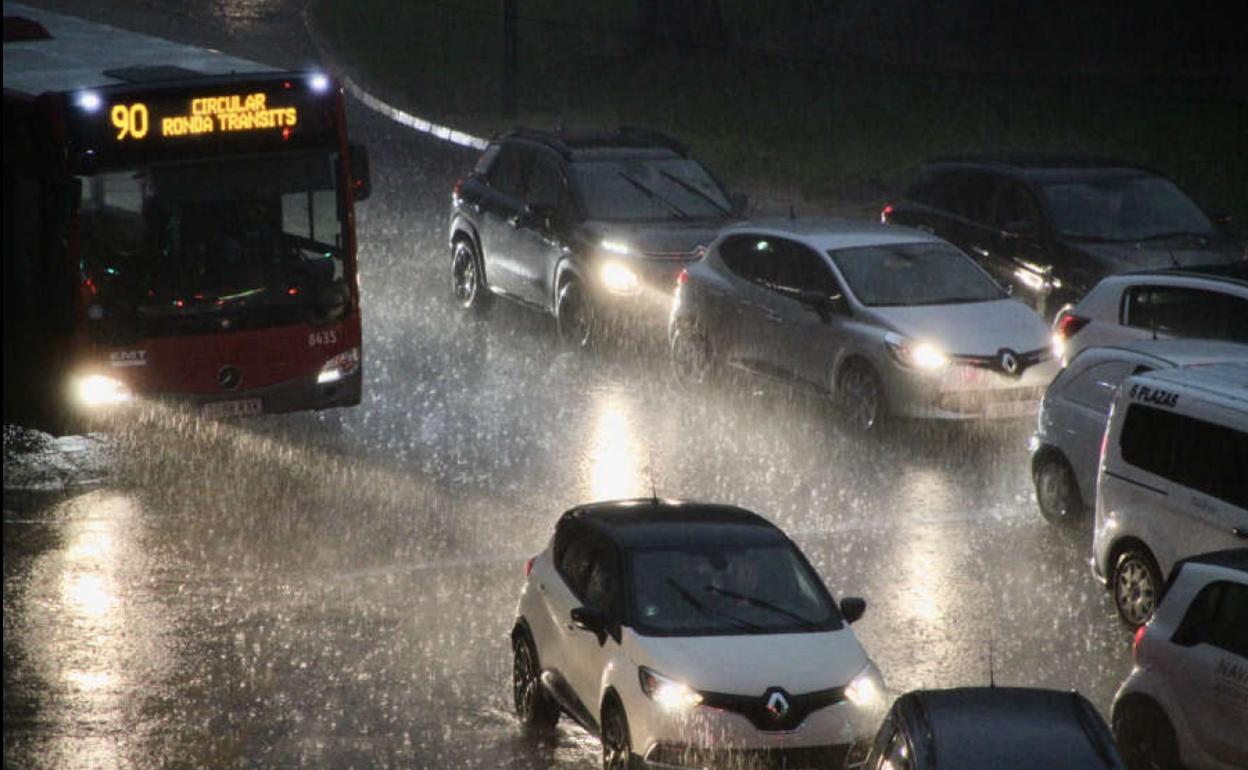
(723, 211)
(801, 620)
(640, 185)
(711, 611)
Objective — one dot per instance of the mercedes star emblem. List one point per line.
(229, 377)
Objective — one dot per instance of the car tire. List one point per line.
(617, 743)
(1057, 492)
(575, 315)
(691, 359)
(536, 710)
(468, 285)
(1135, 583)
(1144, 735)
(861, 398)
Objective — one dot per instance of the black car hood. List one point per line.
(657, 239)
(1179, 252)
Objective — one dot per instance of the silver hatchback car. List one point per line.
(888, 321)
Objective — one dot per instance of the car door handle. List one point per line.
(775, 318)
(1241, 533)
(514, 221)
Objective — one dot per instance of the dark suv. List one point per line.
(1051, 227)
(592, 227)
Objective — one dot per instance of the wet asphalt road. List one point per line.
(335, 590)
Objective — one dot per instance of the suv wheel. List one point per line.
(467, 280)
(1144, 735)
(1057, 493)
(1136, 581)
(691, 356)
(575, 315)
(617, 746)
(536, 710)
(861, 398)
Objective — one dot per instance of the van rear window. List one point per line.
(1203, 456)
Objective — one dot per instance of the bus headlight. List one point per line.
(669, 694)
(97, 390)
(618, 278)
(342, 365)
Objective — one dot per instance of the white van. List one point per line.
(1173, 479)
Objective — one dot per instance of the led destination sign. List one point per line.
(133, 124)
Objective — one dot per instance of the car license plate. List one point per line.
(1011, 409)
(246, 407)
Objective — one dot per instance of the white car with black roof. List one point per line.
(688, 635)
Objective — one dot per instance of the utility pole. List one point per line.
(510, 58)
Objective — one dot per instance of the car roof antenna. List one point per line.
(654, 485)
(791, 214)
(992, 679)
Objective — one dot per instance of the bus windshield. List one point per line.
(211, 246)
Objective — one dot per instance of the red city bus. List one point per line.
(172, 235)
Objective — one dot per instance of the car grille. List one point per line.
(1025, 360)
(675, 755)
(754, 707)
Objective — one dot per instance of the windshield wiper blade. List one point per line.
(688, 596)
(801, 620)
(725, 212)
(1173, 234)
(640, 185)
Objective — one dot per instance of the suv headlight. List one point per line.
(668, 693)
(618, 278)
(342, 365)
(915, 354)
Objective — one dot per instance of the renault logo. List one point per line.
(228, 378)
(1009, 362)
(777, 705)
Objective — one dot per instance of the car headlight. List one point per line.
(864, 690)
(342, 365)
(618, 278)
(96, 390)
(915, 354)
(668, 693)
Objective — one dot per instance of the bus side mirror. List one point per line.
(361, 182)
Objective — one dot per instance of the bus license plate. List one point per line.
(246, 407)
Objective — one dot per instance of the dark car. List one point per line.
(990, 728)
(592, 227)
(1051, 227)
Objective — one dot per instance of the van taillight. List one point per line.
(682, 278)
(528, 566)
(1135, 643)
(886, 214)
(459, 183)
(1069, 325)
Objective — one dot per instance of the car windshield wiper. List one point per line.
(801, 620)
(1173, 234)
(725, 212)
(711, 611)
(640, 185)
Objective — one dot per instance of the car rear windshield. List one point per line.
(718, 590)
(647, 189)
(1125, 209)
(914, 274)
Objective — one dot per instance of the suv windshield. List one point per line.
(712, 590)
(211, 246)
(914, 274)
(1132, 209)
(647, 189)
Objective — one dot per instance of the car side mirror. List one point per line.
(823, 304)
(361, 180)
(592, 620)
(852, 608)
(543, 214)
(1024, 228)
(739, 202)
